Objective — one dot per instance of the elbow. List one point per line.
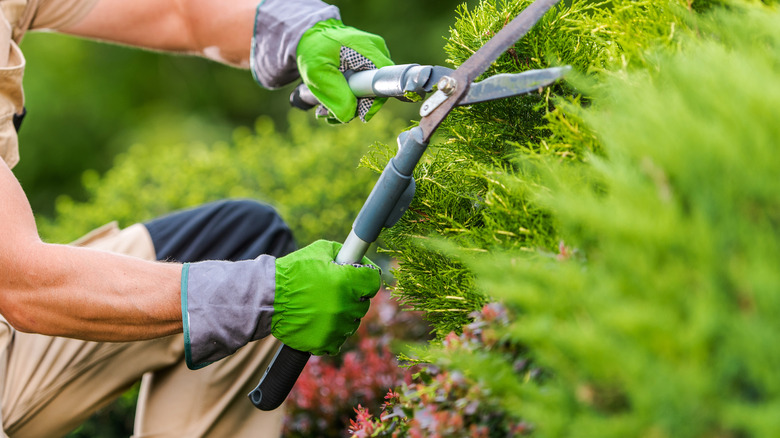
(11, 306)
(28, 315)
(16, 315)
(18, 308)
(20, 284)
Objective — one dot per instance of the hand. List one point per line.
(304, 299)
(306, 38)
(325, 52)
(319, 303)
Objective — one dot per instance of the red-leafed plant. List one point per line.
(440, 401)
(324, 398)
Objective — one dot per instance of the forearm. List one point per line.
(90, 294)
(78, 292)
(220, 30)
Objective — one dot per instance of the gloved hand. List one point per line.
(306, 38)
(304, 299)
(325, 52)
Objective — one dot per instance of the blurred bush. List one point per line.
(658, 316)
(310, 174)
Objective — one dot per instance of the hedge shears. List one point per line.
(393, 192)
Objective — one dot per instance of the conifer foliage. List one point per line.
(629, 223)
(463, 194)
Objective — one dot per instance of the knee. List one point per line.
(261, 222)
(251, 214)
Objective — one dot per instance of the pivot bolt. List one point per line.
(447, 85)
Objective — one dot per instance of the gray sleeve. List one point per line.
(225, 305)
(279, 25)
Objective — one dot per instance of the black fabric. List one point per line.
(224, 230)
(19, 118)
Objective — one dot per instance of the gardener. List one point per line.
(85, 322)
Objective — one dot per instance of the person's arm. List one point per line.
(75, 292)
(83, 293)
(217, 29)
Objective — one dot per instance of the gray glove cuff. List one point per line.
(224, 306)
(279, 25)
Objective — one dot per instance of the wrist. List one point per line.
(279, 25)
(225, 305)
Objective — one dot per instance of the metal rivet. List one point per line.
(447, 85)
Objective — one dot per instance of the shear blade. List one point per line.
(512, 84)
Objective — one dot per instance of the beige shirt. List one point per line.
(16, 18)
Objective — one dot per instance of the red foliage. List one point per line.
(444, 403)
(323, 400)
(335, 396)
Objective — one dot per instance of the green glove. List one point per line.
(319, 303)
(330, 48)
(304, 299)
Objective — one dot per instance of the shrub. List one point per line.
(443, 402)
(309, 174)
(632, 233)
(462, 194)
(666, 325)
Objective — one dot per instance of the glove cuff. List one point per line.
(224, 306)
(279, 25)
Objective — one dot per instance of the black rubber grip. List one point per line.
(302, 98)
(279, 378)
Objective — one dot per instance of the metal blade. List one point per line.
(481, 60)
(506, 37)
(507, 85)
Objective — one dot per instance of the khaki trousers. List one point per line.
(50, 385)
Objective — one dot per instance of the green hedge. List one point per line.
(463, 193)
(630, 224)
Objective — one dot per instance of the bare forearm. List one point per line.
(91, 294)
(78, 292)
(218, 29)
